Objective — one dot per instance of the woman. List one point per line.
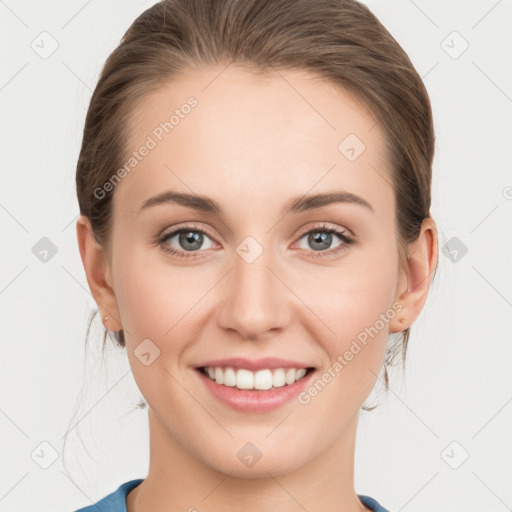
(254, 188)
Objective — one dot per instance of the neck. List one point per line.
(179, 479)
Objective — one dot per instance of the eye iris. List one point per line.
(321, 237)
(193, 237)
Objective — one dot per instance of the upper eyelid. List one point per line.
(175, 231)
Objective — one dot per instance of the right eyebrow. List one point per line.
(196, 202)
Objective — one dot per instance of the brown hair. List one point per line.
(339, 40)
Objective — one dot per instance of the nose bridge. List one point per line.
(254, 301)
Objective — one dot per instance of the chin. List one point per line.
(249, 461)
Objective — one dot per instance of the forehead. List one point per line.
(232, 132)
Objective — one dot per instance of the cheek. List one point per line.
(153, 297)
(358, 311)
(357, 308)
(352, 297)
(155, 302)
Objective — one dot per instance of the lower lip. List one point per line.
(255, 400)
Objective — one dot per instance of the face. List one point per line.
(255, 278)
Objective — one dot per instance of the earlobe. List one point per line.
(421, 262)
(97, 270)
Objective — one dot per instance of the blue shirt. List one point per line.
(116, 501)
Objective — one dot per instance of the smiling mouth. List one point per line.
(261, 380)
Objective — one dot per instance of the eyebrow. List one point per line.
(296, 205)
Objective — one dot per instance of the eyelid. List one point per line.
(190, 226)
(322, 225)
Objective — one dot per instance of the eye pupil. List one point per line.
(320, 237)
(193, 237)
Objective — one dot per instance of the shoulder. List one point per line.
(115, 501)
(372, 504)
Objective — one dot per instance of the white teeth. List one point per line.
(278, 378)
(219, 376)
(263, 379)
(260, 380)
(290, 376)
(229, 377)
(300, 373)
(244, 379)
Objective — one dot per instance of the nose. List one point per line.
(255, 300)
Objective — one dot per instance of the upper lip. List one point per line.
(254, 364)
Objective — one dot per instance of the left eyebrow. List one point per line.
(296, 205)
(311, 202)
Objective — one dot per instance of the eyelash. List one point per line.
(347, 241)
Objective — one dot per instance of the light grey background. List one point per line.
(455, 400)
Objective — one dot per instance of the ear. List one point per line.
(421, 261)
(98, 272)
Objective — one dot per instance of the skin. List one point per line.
(253, 143)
